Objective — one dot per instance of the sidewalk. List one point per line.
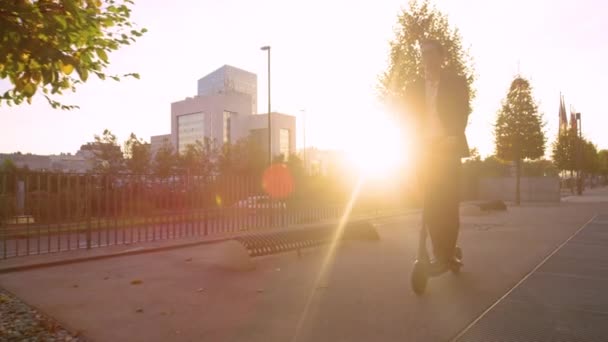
(597, 195)
(358, 292)
(563, 299)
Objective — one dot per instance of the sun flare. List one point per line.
(376, 148)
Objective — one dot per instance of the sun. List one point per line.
(376, 148)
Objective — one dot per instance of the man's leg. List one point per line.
(442, 208)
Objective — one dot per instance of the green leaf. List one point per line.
(102, 55)
(61, 20)
(83, 73)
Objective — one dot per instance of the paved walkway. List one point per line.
(360, 292)
(563, 299)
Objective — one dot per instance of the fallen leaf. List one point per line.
(136, 282)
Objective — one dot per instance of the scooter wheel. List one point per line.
(419, 277)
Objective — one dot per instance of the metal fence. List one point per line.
(51, 212)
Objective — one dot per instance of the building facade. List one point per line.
(282, 128)
(157, 141)
(230, 80)
(223, 111)
(221, 118)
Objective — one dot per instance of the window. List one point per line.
(227, 126)
(284, 138)
(189, 129)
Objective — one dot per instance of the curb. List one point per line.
(110, 255)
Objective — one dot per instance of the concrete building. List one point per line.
(157, 141)
(283, 128)
(230, 80)
(219, 117)
(223, 111)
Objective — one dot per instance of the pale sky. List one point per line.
(326, 59)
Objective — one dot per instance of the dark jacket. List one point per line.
(452, 107)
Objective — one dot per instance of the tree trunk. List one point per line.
(517, 180)
(572, 182)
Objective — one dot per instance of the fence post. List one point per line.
(88, 208)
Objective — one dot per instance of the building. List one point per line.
(64, 162)
(78, 163)
(157, 141)
(220, 117)
(230, 80)
(283, 129)
(223, 111)
(29, 161)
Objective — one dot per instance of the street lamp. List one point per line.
(580, 154)
(304, 126)
(267, 48)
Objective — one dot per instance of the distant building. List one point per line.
(157, 141)
(30, 161)
(218, 117)
(223, 111)
(78, 163)
(282, 127)
(231, 80)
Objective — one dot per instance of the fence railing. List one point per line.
(54, 212)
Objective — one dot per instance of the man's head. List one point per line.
(432, 55)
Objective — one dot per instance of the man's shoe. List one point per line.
(437, 267)
(455, 265)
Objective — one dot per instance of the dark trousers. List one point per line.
(440, 212)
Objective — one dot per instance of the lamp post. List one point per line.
(580, 154)
(304, 133)
(267, 48)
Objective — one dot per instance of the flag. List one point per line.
(563, 119)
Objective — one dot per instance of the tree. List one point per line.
(519, 129)
(420, 21)
(602, 157)
(192, 159)
(245, 157)
(107, 156)
(564, 150)
(590, 161)
(165, 159)
(200, 158)
(137, 155)
(45, 41)
(8, 166)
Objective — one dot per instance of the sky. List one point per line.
(326, 60)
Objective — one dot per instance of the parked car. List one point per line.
(256, 204)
